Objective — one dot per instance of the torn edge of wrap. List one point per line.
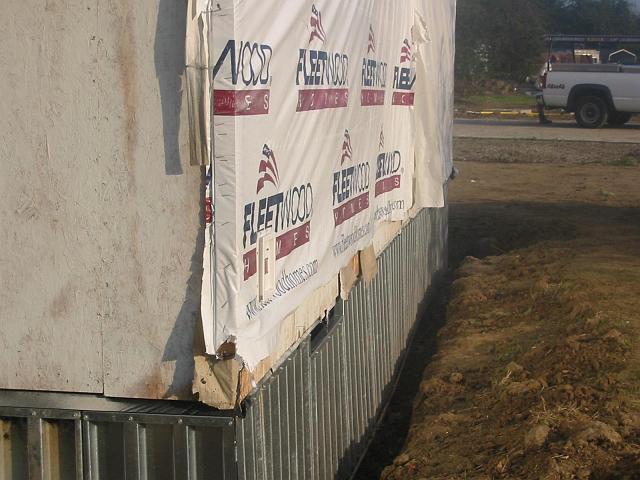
(217, 382)
(349, 275)
(221, 382)
(197, 83)
(368, 263)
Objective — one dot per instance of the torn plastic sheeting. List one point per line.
(220, 383)
(368, 264)
(197, 82)
(349, 275)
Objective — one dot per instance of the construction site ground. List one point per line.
(527, 363)
(559, 130)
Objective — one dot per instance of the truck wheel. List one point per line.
(619, 118)
(591, 112)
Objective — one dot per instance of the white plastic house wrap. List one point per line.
(323, 120)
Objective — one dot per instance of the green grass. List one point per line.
(497, 101)
(606, 193)
(625, 162)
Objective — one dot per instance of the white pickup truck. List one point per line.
(597, 93)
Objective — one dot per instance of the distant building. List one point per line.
(587, 56)
(623, 57)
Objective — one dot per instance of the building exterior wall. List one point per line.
(311, 419)
(101, 257)
(315, 416)
(102, 239)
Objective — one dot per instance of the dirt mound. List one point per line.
(545, 152)
(537, 368)
(530, 377)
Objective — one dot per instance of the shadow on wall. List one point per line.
(186, 335)
(169, 59)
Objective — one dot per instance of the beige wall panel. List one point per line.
(101, 246)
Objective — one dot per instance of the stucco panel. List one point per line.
(101, 249)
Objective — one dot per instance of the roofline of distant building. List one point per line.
(593, 38)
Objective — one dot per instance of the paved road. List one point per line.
(530, 129)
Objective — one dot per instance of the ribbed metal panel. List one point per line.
(311, 419)
(63, 445)
(344, 376)
(39, 444)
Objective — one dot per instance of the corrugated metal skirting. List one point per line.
(314, 417)
(44, 444)
(311, 419)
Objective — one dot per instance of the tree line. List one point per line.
(505, 38)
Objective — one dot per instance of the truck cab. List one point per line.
(598, 93)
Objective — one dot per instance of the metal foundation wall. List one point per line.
(311, 419)
(317, 413)
(173, 443)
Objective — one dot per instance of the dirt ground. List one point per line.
(528, 364)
